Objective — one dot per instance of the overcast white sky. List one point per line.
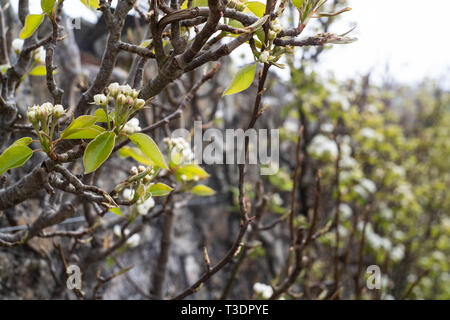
(411, 36)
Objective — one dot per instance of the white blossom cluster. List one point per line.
(262, 289)
(132, 126)
(38, 54)
(322, 147)
(43, 112)
(374, 239)
(180, 150)
(142, 205)
(123, 96)
(365, 188)
(132, 241)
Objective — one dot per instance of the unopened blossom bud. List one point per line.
(58, 111)
(39, 55)
(276, 27)
(147, 178)
(100, 99)
(134, 93)
(142, 169)
(140, 103)
(264, 57)
(134, 171)
(113, 89)
(17, 45)
(121, 99)
(46, 110)
(31, 114)
(129, 101)
(126, 89)
(272, 35)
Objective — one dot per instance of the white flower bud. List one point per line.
(145, 206)
(126, 89)
(134, 171)
(132, 126)
(100, 99)
(17, 45)
(140, 103)
(134, 93)
(128, 194)
(45, 110)
(129, 101)
(134, 240)
(264, 56)
(58, 111)
(31, 114)
(142, 169)
(113, 89)
(39, 55)
(121, 99)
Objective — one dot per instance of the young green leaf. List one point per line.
(136, 154)
(81, 122)
(85, 133)
(202, 190)
(91, 4)
(14, 156)
(195, 3)
(159, 189)
(257, 8)
(32, 22)
(241, 80)
(98, 150)
(47, 5)
(116, 210)
(190, 172)
(149, 148)
(25, 141)
(298, 3)
(38, 71)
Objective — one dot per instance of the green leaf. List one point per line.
(241, 80)
(85, 133)
(25, 141)
(38, 71)
(257, 8)
(202, 190)
(195, 3)
(116, 211)
(81, 122)
(159, 189)
(190, 172)
(32, 22)
(4, 68)
(298, 3)
(98, 150)
(136, 154)
(15, 155)
(149, 148)
(47, 5)
(91, 4)
(101, 116)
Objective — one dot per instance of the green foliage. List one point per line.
(98, 151)
(159, 189)
(241, 80)
(47, 5)
(202, 190)
(32, 22)
(256, 7)
(15, 155)
(79, 126)
(149, 148)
